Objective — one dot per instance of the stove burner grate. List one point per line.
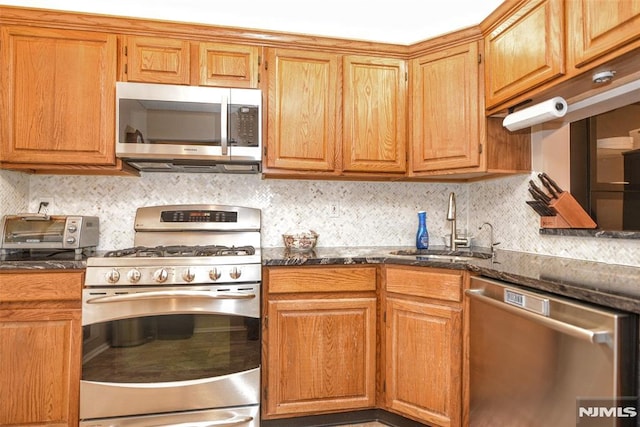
(182, 251)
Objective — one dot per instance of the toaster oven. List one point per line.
(37, 231)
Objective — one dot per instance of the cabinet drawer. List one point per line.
(422, 282)
(41, 286)
(320, 279)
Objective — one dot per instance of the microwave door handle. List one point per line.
(224, 143)
(140, 296)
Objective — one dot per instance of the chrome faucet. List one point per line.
(454, 240)
(491, 236)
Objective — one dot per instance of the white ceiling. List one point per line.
(391, 21)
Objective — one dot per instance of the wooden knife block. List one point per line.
(570, 214)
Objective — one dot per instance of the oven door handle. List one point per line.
(228, 422)
(141, 296)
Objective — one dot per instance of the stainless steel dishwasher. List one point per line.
(536, 359)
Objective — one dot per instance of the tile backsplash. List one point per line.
(368, 213)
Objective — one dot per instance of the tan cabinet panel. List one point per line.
(57, 92)
(41, 346)
(374, 108)
(596, 27)
(321, 355)
(319, 340)
(228, 65)
(424, 361)
(302, 110)
(526, 50)
(158, 60)
(446, 129)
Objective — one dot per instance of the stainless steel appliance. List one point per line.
(172, 325)
(39, 231)
(537, 359)
(164, 128)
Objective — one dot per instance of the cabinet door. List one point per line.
(446, 128)
(424, 361)
(374, 109)
(157, 60)
(40, 369)
(526, 50)
(58, 96)
(302, 108)
(228, 65)
(595, 28)
(321, 355)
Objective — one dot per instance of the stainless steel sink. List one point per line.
(456, 256)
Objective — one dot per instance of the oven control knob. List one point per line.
(113, 276)
(235, 273)
(214, 274)
(134, 275)
(161, 275)
(188, 275)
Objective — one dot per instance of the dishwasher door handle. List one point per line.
(592, 336)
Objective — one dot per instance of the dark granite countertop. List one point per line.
(43, 260)
(610, 285)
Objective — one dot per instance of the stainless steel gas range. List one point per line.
(172, 325)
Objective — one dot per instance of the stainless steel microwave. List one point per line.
(165, 128)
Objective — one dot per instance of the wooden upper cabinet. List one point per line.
(58, 96)
(374, 112)
(302, 110)
(157, 60)
(228, 65)
(596, 28)
(446, 127)
(525, 50)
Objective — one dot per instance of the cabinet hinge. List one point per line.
(480, 149)
(266, 65)
(126, 51)
(479, 58)
(126, 68)
(259, 60)
(406, 76)
(258, 77)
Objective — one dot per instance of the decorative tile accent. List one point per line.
(370, 213)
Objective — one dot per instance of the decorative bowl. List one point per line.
(301, 240)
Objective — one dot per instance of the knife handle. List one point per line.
(547, 185)
(539, 192)
(552, 183)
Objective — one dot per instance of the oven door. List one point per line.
(163, 350)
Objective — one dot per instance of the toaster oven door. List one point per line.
(20, 232)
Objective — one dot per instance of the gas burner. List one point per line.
(225, 250)
(182, 251)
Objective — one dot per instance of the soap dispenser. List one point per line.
(422, 236)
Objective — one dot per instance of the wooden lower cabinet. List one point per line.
(40, 350)
(320, 341)
(423, 344)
